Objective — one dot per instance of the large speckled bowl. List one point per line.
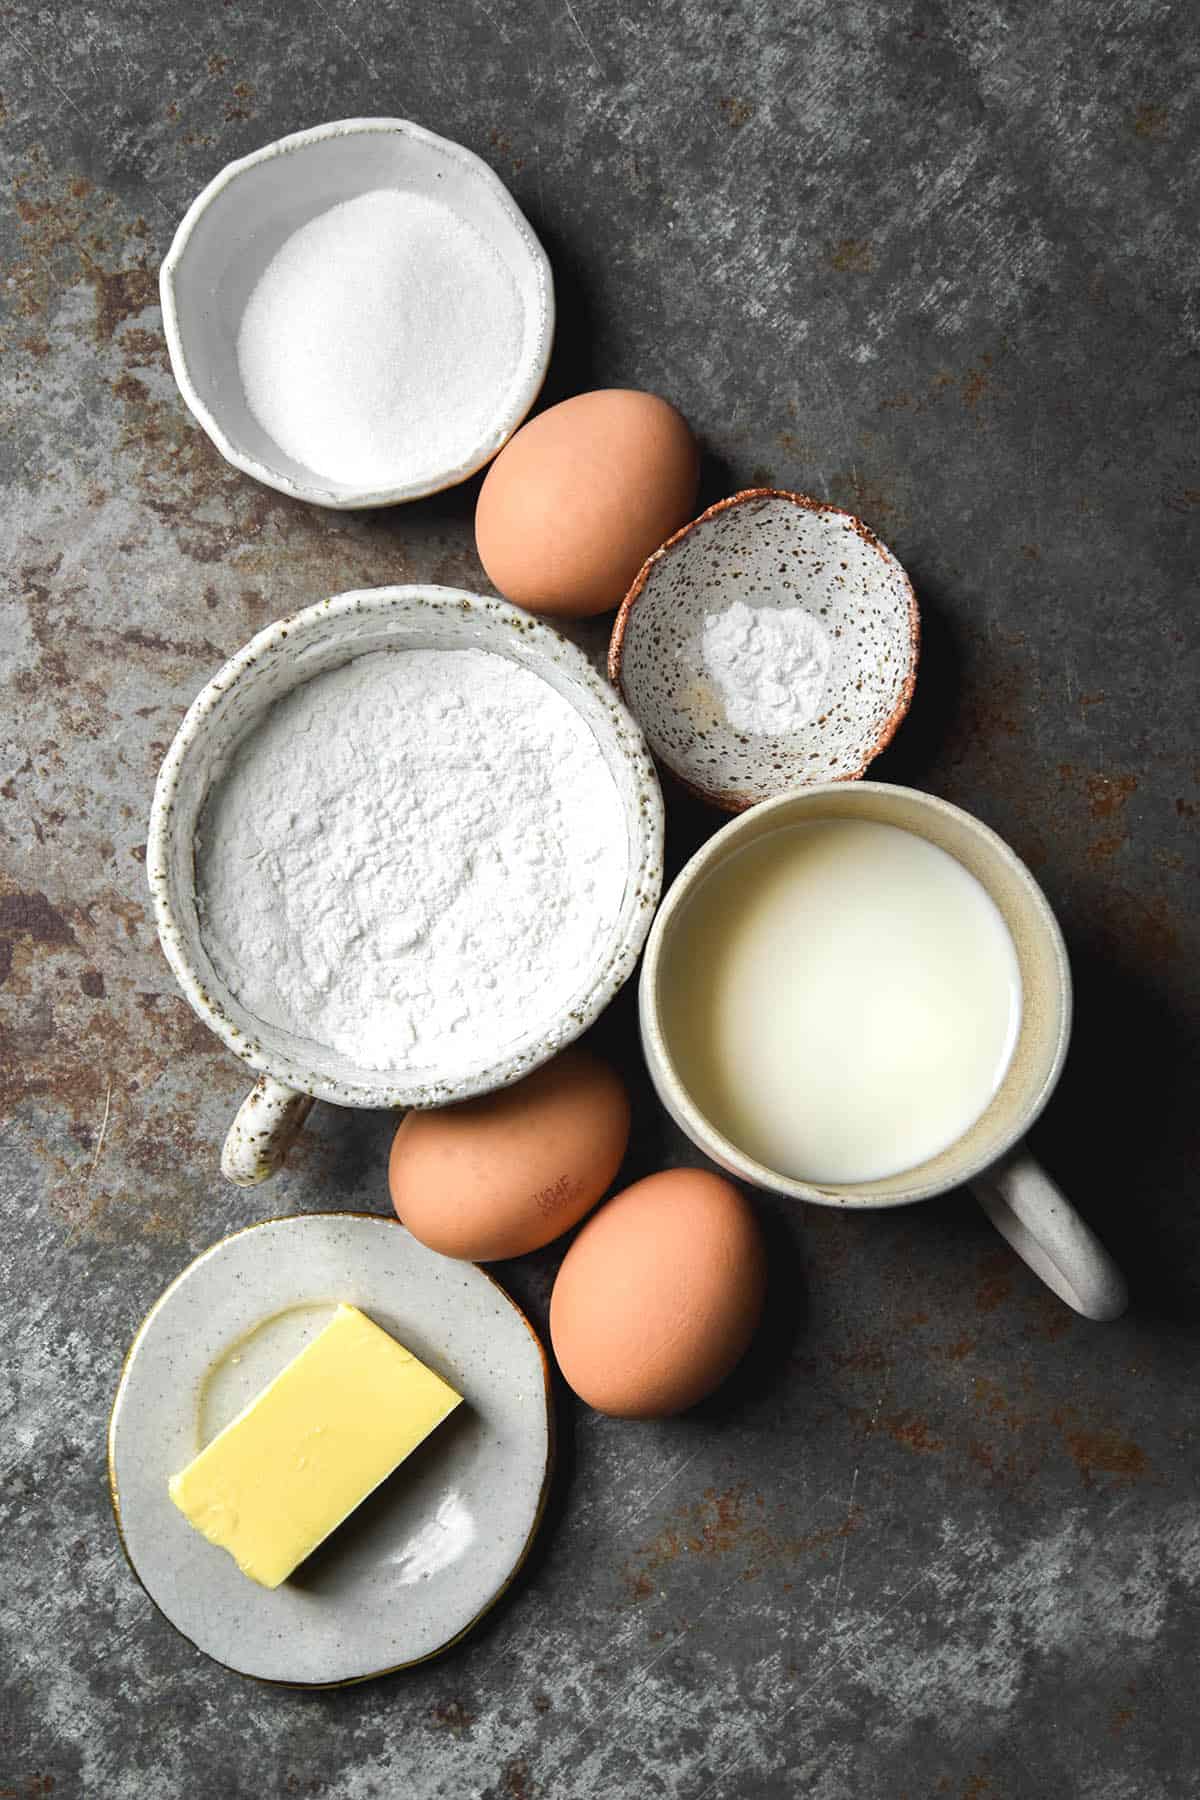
(769, 549)
(294, 1071)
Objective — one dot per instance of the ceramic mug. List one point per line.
(292, 1071)
(1016, 1193)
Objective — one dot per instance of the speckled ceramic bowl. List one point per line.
(233, 229)
(772, 550)
(294, 1071)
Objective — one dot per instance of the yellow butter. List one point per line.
(321, 1437)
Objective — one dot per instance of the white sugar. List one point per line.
(381, 341)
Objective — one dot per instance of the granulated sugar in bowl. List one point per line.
(405, 847)
(358, 314)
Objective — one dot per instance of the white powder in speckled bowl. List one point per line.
(413, 860)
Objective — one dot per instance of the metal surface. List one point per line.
(937, 264)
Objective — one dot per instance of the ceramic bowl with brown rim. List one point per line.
(770, 644)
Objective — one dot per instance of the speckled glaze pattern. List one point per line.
(233, 227)
(426, 1555)
(325, 636)
(769, 548)
(265, 1127)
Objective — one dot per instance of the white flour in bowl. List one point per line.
(414, 860)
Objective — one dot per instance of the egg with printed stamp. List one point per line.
(510, 1171)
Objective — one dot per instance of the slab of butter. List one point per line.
(321, 1437)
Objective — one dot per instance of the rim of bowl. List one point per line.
(314, 491)
(645, 870)
(723, 798)
(704, 1133)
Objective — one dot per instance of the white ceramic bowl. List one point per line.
(779, 552)
(280, 658)
(233, 229)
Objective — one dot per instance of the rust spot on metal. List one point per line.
(852, 256)
(1104, 1452)
(717, 1522)
(239, 107)
(1050, 1320)
(1151, 122)
(9, 788)
(128, 387)
(120, 294)
(1107, 794)
(988, 1398)
(912, 1432)
(141, 348)
(862, 493)
(515, 1779)
(190, 647)
(867, 1359)
(724, 1524)
(976, 386)
(1140, 924)
(735, 112)
(30, 916)
(1102, 850)
(451, 1715)
(995, 1280)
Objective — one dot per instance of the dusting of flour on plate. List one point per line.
(768, 665)
(380, 342)
(413, 859)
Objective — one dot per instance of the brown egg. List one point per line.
(504, 1174)
(659, 1295)
(577, 500)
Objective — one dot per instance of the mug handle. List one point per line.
(265, 1127)
(1046, 1232)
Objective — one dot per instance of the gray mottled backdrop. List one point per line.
(936, 262)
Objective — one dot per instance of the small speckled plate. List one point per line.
(773, 550)
(433, 1548)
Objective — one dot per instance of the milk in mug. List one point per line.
(841, 999)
